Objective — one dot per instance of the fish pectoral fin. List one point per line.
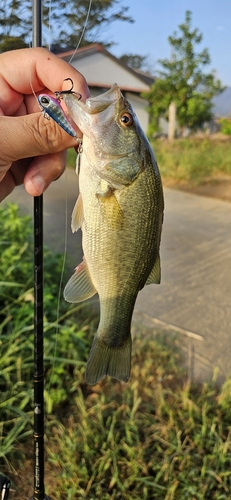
(104, 360)
(80, 286)
(104, 189)
(77, 214)
(111, 212)
(155, 274)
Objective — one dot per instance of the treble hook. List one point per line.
(59, 94)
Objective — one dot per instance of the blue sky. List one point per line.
(155, 20)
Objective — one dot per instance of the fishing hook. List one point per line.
(59, 94)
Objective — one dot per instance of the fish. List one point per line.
(120, 211)
(52, 108)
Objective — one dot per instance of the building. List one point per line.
(101, 70)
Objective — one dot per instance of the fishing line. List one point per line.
(66, 221)
(84, 29)
(49, 26)
(60, 288)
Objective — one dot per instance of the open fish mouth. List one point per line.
(101, 102)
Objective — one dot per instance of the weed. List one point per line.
(157, 437)
(193, 161)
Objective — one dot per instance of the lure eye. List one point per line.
(45, 101)
(126, 120)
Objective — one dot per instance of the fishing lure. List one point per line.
(51, 107)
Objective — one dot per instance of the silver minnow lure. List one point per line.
(53, 109)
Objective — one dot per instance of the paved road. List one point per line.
(195, 293)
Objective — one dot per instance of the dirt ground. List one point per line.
(218, 188)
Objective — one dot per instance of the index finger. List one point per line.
(26, 70)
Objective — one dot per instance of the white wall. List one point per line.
(140, 107)
(100, 69)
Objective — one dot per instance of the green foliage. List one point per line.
(193, 161)
(225, 124)
(156, 437)
(71, 158)
(182, 80)
(15, 23)
(135, 61)
(72, 17)
(16, 328)
(16, 265)
(66, 24)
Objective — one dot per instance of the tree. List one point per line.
(14, 24)
(73, 17)
(183, 81)
(64, 24)
(135, 61)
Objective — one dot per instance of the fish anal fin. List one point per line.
(77, 215)
(104, 360)
(80, 286)
(155, 274)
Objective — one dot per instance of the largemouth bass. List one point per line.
(120, 211)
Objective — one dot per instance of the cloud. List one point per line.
(220, 28)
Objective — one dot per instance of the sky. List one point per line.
(155, 20)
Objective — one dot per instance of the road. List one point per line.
(195, 292)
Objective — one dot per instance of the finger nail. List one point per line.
(36, 185)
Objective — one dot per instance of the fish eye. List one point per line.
(45, 100)
(126, 120)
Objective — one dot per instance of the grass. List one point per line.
(157, 437)
(194, 160)
(71, 158)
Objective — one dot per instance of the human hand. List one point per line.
(33, 149)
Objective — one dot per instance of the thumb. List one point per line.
(31, 135)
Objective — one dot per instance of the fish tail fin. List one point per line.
(104, 360)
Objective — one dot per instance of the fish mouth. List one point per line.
(101, 102)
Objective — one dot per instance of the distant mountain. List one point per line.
(222, 104)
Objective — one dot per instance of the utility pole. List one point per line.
(171, 121)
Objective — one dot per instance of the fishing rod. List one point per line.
(39, 489)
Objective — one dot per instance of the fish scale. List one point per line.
(120, 211)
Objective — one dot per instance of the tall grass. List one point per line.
(157, 437)
(16, 328)
(193, 161)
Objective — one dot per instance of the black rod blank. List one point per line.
(39, 490)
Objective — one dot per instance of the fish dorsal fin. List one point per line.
(77, 214)
(80, 286)
(155, 274)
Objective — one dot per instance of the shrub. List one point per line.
(225, 124)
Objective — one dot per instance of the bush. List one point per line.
(192, 161)
(225, 125)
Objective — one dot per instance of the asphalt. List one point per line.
(193, 300)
